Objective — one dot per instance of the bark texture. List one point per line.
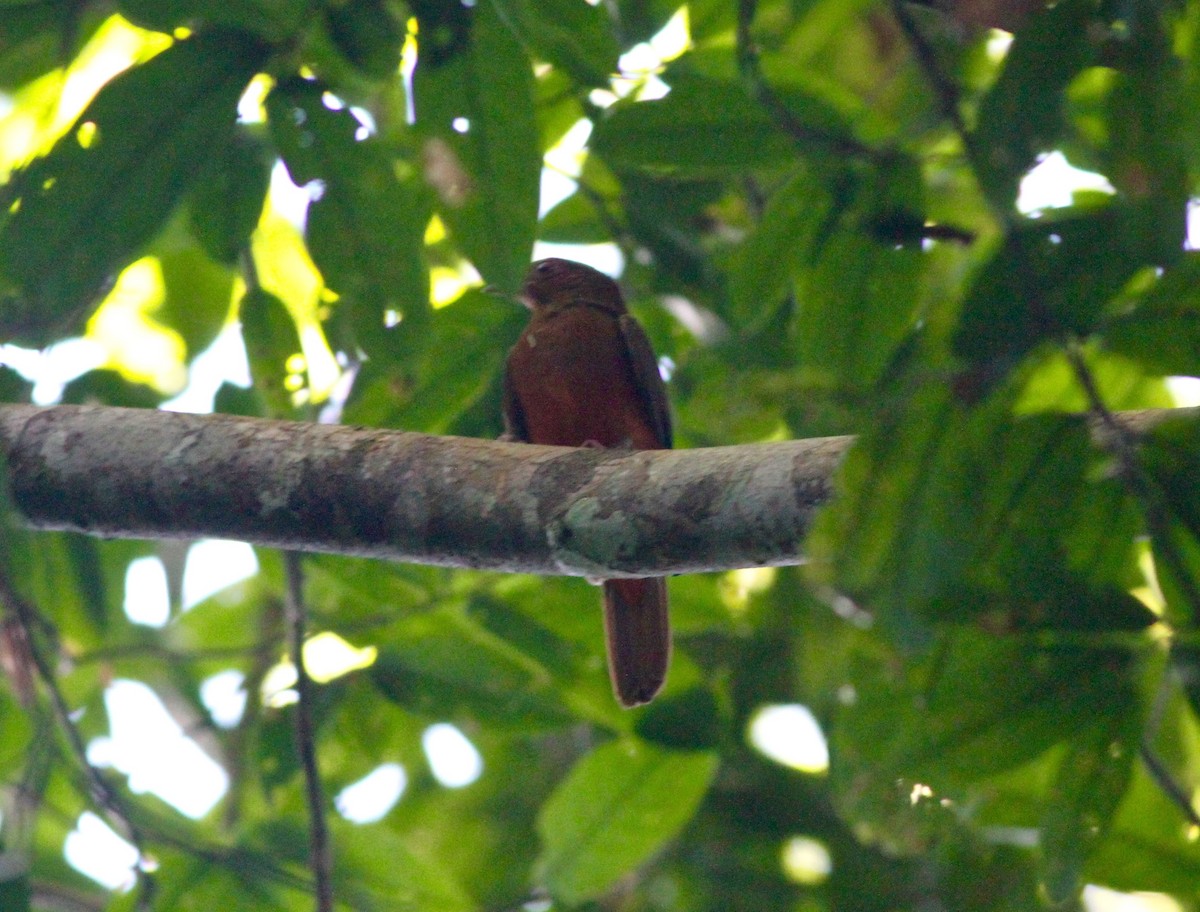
(417, 498)
(451, 501)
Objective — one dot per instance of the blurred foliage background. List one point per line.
(832, 216)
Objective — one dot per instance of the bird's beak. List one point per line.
(498, 292)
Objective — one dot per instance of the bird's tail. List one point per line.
(639, 637)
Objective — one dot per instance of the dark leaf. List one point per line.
(575, 37)
(1023, 113)
(1050, 279)
(34, 36)
(367, 35)
(480, 150)
(455, 367)
(76, 217)
(197, 296)
(683, 721)
(226, 205)
(1169, 455)
(856, 295)
(108, 387)
(942, 515)
(769, 261)
(269, 333)
(702, 128)
(274, 20)
(1092, 779)
(366, 231)
(1161, 329)
(974, 707)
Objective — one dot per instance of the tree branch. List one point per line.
(417, 498)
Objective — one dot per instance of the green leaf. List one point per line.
(454, 367)
(33, 36)
(13, 387)
(575, 37)
(573, 221)
(1185, 662)
(378, 870)
(107, 386)
(226, 205)
(974, 711)
(1022, 115)
(270, 336)
(367, 34)
(442, 665)
(980, 704)
(1093, 777)
(487, 176)
(685, 721)
(198, 294)
(768, 262)
(941, 514)
(1146, 156)
(702, 128)
(18, 726)
(857, 299)
(663, 214)
(534, 639)
(274, 20)
(75, 217)
(1049, 279)
(1161, 329)
(1147, 843)
(1169, 458)
(366, 231)
(617, 807)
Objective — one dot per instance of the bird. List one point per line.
(583, 373)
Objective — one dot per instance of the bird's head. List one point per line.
(553, 283)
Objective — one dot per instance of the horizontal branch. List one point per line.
(449, 501)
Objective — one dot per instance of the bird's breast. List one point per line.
(571, 374)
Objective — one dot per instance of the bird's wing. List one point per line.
(514, 416)
(649, 381)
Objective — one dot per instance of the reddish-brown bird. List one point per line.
(583, 374)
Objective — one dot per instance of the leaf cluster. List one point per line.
(818, 204)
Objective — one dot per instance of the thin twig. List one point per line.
(1162, 776)
(320, 854)
(106, 798)
(944, 89)
(1123, 444)
(239, 747)
(169, 833)
(802, 133)
(617, 231)
(157, 650)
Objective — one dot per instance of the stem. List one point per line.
(1166, 782)
(1122, 443)
(320, 853)
(802, 133)
(945, 92)
(103, 795)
